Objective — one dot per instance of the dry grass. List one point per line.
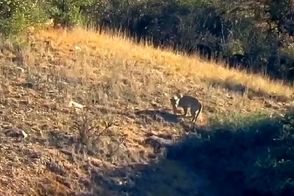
(116, 80)
(124, 50)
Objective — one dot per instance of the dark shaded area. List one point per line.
(236, 88)
(256, 159)
(168, 118)
(60, 139)
(147, 116)
(164, 178)
(243, 89)
(157, 115)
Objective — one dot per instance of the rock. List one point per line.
(77, 48)
(20, 69)
(25, 135)
(75, 105)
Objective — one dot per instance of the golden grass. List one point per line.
(115, 46)
(131, 84)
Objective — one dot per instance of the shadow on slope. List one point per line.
(255, 158)
(157, 115)
(242, 89)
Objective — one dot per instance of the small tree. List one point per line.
(69, 13)
(16, 15)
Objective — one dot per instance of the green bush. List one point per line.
(69, 13)
(16, 15)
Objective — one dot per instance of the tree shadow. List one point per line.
(243, 160)
(243, 89)
(146, 116)
(253, 159)
(60, 139)
(149, 116)
(163, 178)
(55, 138)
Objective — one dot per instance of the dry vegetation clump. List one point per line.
(110, 79)
(90, 134)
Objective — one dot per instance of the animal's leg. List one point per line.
(185, 111)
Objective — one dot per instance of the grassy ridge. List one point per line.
(122, 48)
(117, 81)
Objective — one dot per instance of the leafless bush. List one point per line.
(89, 130)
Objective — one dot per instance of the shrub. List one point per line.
(16, 15)
(69, 13)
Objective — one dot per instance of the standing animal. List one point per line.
(185, 102)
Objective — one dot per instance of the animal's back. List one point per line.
(187, 101)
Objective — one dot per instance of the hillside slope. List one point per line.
(122, 84)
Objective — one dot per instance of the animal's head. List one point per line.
(174, 100)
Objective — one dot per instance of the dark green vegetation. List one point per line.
(257, 159)
(257, 35)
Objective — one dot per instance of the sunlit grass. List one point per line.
(118, 46)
